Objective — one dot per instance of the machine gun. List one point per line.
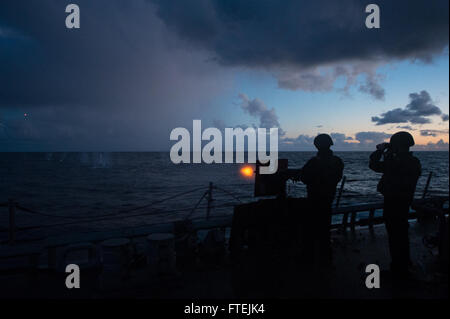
(274, 184)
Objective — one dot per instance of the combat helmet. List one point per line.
(323, 141)
(402, 139)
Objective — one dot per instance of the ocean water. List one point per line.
(97, 191)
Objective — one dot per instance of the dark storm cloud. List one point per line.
(444, 117)
(310, 44)
(122, 80)
(305, 33)
(417, 111)
(125, 79)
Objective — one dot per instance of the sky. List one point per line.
(135, 70)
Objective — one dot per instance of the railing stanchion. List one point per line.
(425, 191)
(341, 189)
(338, 200)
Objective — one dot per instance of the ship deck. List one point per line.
(353, 250)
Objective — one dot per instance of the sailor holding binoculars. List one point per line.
(401, 170)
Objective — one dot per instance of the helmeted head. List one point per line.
(401, 141)
(323, 142)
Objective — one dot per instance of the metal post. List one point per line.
(12, 221)
(210, 199)
(341, 189)
(427, 185)
(338, 200)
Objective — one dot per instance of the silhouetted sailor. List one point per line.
(401, 170)
(321, 174)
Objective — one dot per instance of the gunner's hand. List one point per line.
(382, 146)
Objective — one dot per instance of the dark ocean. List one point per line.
(71, 192)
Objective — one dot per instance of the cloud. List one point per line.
(444, 117)
(373, 88)
(433, 133)
(371, 138)
(120, 82)
(339, 138)
(363, 141)
(315, 80)
(438, 146)
(256, 108)
(300, 141)
(416, 112)
(137, 69)
(309, 45)
(323, 78)
(306, 33)
(406, 127)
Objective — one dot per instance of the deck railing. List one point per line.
(207, 195)
(202, 223)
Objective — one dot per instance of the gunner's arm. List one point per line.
(375, 162)
(293, 174)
